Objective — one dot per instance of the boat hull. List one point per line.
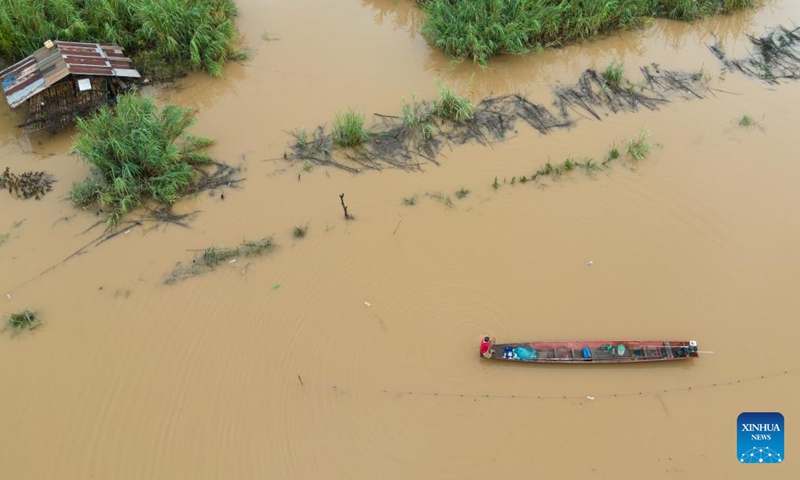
(595, 351)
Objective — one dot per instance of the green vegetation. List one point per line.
(452, 106)
(137, 153)
(461, 194)
(614, 153)
(300, 232)
(348, 129)
(613, 74)
(480, 29)
(211, 257)
(409, 201)
(164, 37)
(639, 147)
(441, 198)
(418, 118)
(747, 121)
(26, 319)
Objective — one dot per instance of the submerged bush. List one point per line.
(479, 29)
(23, 320)
(137, 152)
(164, 37)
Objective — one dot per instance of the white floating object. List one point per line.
(8, 296)
(127, 231)
(233, 261)
(367, 303)
(589, 397)
(590, 262)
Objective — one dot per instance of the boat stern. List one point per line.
(693, 348)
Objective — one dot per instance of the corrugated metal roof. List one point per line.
(47, 66)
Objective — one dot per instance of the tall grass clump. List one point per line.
(164, 37)
(453, 106)
(137, 152)
(639, 147)
(478, 30)
(694, 9)
(613, 74)
(348, 129)
(418, 118)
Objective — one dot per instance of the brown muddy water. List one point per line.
(352, 353)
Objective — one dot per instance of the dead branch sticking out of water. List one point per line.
(401, 141)
(213, 256)
(775, 56)
(347, 216)
(26, 185)
(222, 176)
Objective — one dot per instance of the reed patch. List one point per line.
(140, 153)
(164, 37)
(478, 30)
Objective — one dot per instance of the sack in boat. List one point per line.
(525, 353)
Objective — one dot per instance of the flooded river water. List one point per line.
(352, 352)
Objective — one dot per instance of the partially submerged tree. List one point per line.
(137, 152)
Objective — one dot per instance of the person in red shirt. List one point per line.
(486, 347)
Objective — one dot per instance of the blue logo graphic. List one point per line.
(760, 437)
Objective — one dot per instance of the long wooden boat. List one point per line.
(594, 351)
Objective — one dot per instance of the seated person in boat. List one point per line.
(486, 347)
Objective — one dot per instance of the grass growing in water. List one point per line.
(348, 129)
(480, 29)
(213, 256)
(613, 74)
(639, 147)
(26, 319)
(442, 198)
(461, 194)
(137, 153)
(300, 232)
(747, 121)
(164, 37)
(453, 106)
(418, 118)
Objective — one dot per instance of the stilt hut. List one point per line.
(62, 80)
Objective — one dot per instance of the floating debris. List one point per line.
(593, 93)
(775, 56)
(211, 257)
(422, 132)
(26, 185)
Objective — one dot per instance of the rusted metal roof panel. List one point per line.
(49, 65)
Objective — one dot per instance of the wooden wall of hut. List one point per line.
(57, 106)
